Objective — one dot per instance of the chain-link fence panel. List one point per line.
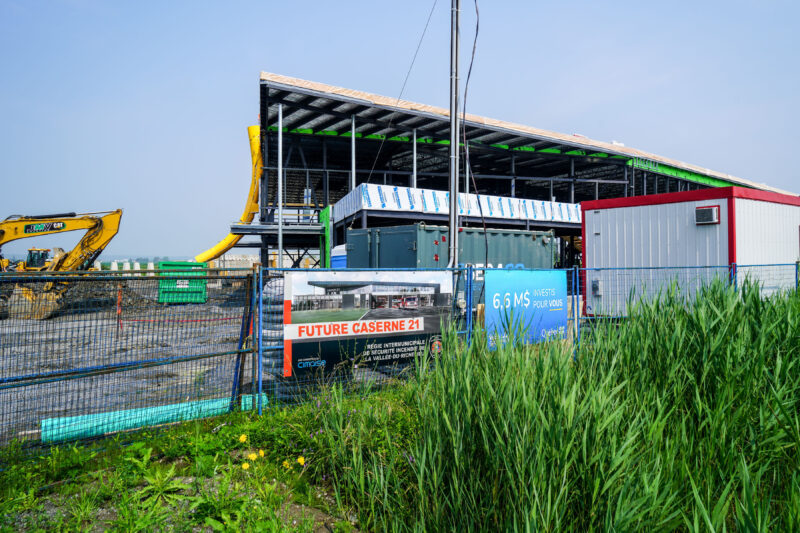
(89, 354)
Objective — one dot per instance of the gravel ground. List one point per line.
(90, 334)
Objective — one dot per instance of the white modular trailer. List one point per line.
(375, 197)
(635, 247)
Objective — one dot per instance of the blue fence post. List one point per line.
(468, 291)
(576, 302)
(260, 339)
(247, 317)
(796, 274)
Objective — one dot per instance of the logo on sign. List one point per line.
(365, 196)
(397, 197)
(436, 346)
(42, 227)
(381, 197)
(311, 364)
(410, 198)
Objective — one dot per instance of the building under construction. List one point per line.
(354, 159)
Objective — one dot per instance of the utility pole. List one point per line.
(455, 8)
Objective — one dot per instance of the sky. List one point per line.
(144, 105)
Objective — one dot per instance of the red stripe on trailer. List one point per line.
(765, 196)
(718, 193)
(287, 343)
(582, 277)
(731, 230)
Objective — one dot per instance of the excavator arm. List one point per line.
(100, 229)
(26, 301)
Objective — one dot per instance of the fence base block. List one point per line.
(86, 426)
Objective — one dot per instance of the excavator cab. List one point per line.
(37, 258)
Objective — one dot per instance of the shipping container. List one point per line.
(716, 232)
(424, 246)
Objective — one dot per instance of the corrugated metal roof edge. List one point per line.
(719, 193)
(325, 90)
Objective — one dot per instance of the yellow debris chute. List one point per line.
(250, 209)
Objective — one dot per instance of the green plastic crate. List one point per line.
(185, 290)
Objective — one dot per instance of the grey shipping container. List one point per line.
(422, 246)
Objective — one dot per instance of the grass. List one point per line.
(683, 417)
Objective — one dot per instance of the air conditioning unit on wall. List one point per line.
(706, 215)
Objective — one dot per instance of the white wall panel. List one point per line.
(375, 197)
(657, 239)
(766, 233)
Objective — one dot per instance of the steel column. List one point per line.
(513, 176)
(280, 186)
(352, 152)
(325, 177)
(414, 158)
(626, 180)
(572, 182)
(263, 200)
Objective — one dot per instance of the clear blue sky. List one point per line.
(144, 105)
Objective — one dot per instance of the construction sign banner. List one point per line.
(530, 303)
(342, 321)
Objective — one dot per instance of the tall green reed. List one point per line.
(683, 416)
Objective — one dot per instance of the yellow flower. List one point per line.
(252, 456)
(245, 466)
(286, 464)
(261, 453)
(301, 460)
(242, 438)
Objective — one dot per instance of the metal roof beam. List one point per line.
(348, 114)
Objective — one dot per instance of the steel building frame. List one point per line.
(334, 139)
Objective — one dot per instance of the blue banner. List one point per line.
(530, 302)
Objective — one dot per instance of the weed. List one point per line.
(162, 487)
(133, 515)
(81, 509)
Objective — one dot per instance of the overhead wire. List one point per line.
(467, 167)
(402, 90)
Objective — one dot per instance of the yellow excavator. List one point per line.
(41, 302)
